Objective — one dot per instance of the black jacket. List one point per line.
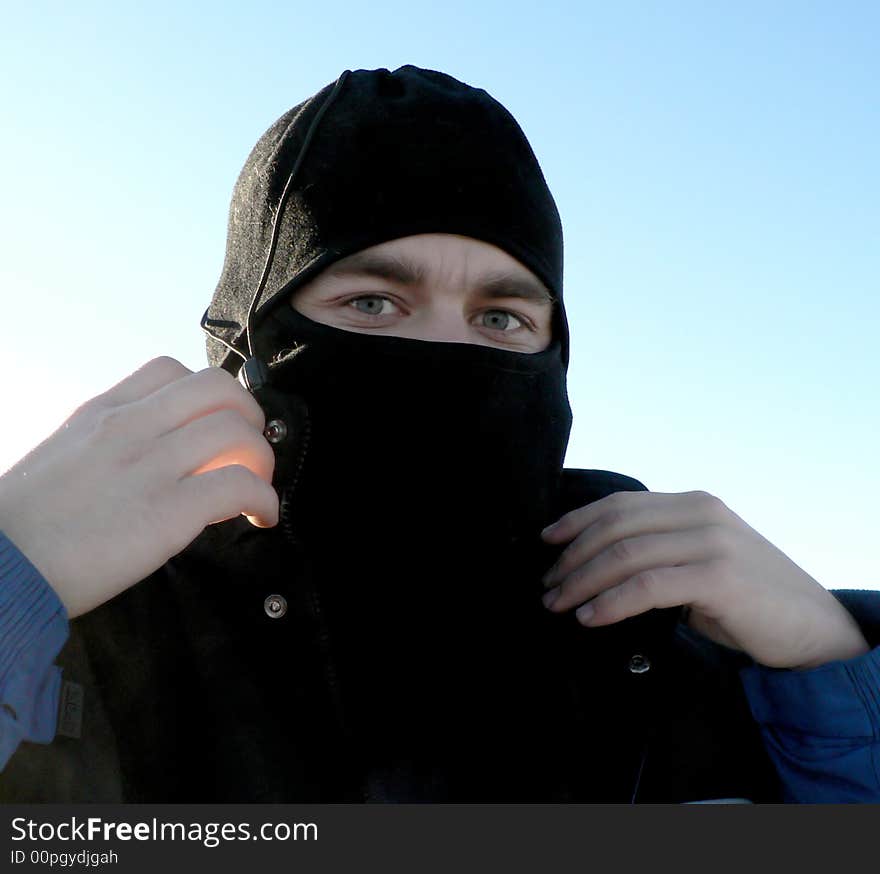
(193, 693)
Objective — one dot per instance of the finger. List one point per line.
(655, 588)
(195, 395)
(147, 379)
(216, 440)
(228, 492)
(626, 558)
(656, 514)
(568, 526)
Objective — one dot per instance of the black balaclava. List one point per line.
(414, 476)
(376, 156)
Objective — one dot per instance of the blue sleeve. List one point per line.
(33, 629)
(821, 727)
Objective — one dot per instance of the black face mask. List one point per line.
(417, 500)
(416, 434)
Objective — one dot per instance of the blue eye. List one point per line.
(499, 320)
(371, 305)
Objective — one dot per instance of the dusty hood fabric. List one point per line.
(393, 154)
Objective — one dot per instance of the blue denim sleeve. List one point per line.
(821, 727)
(33, 629)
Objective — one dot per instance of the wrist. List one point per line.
(845, 646)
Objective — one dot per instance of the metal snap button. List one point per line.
(638, 664)
(275, 606)
(275, 431)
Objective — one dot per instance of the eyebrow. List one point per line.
(498, 284)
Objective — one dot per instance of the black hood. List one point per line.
(374, 157)
(414, 476)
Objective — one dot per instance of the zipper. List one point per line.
(316, 610)
(317, 616)
(305, 439)
(312, 596)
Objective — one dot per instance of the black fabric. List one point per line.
(430, 470)
(193, 694)
(397, 153)
(438, 440)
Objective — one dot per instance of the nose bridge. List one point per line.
(445, 319)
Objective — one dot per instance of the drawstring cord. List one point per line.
(253, 372)
(639, 775)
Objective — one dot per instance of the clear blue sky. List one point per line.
(715, 165)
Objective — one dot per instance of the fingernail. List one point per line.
(549, 579)
(584, 613)
(551, 597)
(549, 529)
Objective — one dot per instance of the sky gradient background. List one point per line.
(715, 166)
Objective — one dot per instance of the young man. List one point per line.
(441, 611)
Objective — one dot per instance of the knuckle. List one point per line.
(609, 521)
(115, 434)
(566, 522)
(710, 505)
(217, 376)
(109, 421)
(166, 366)
(89, 409)
(239, 432)
(218, 383)
(566, 588)
(645, 584)
(238, 478)
(268, 456)
(258, 412)
(571, 583)
(230, 389)
(719, 539)
(621, 550)
(230, 422)
(722, 574)
(618, 500)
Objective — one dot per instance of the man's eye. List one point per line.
(500, 320)
(373, 305)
